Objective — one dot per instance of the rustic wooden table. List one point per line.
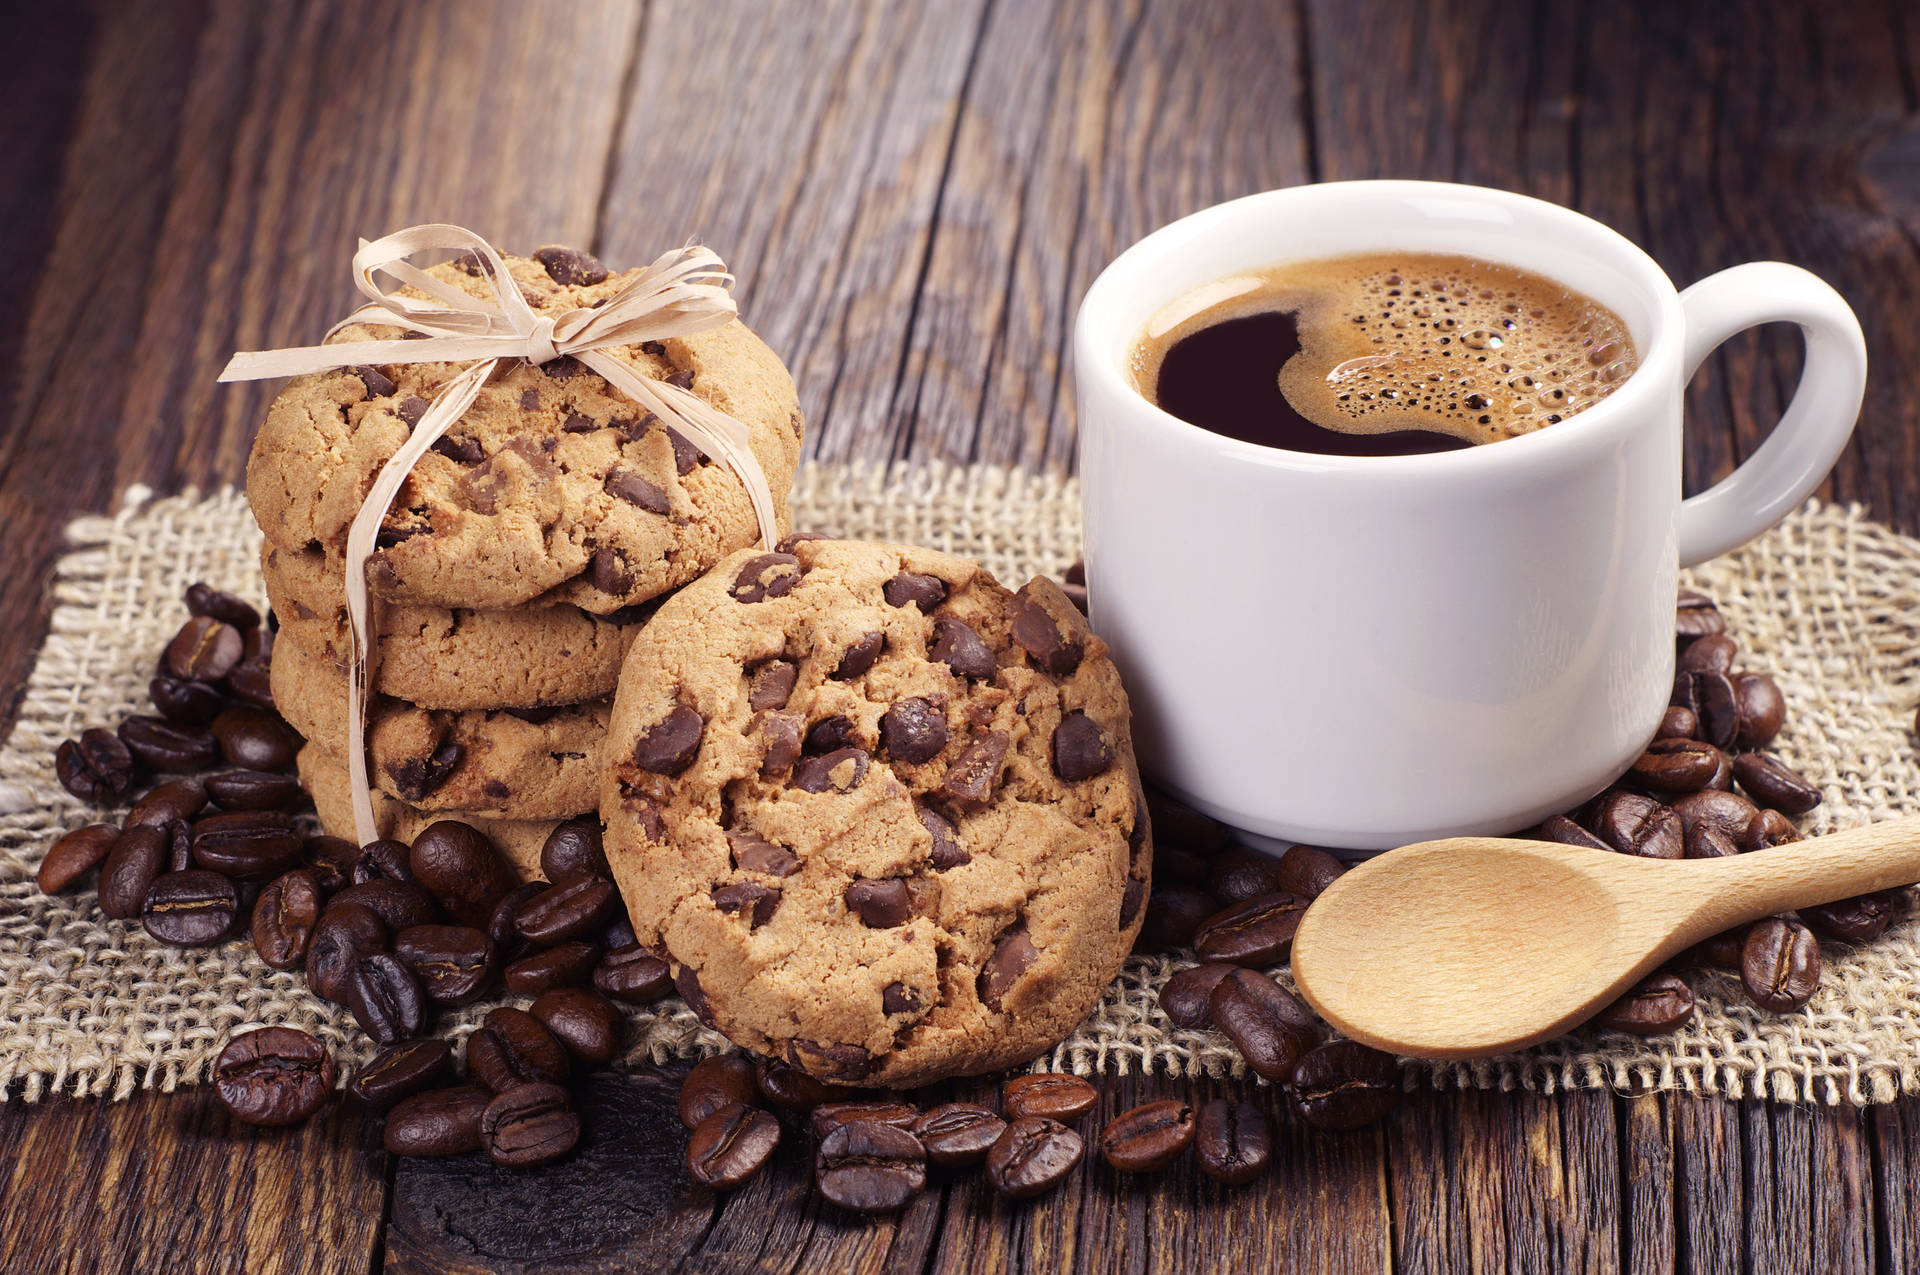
(914, 198)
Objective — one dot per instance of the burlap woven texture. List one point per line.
(1828, 603)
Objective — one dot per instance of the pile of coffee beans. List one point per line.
(1705, 788)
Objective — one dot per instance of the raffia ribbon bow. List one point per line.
(682, 292)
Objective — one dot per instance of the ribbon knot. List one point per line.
(681, 292)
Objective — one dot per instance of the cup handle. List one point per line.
(1817, 423)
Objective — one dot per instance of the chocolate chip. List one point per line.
(914, 731)
(466, 450)
(841, 770)
(769, 575)
(830, 733)
(681, 379)
(1013, 954)
(608, 572)
(834, 1062)
(575, 422)
(569, 267)
(472, 263)
(780, 735)
(626, 485)
(971, 777)
(880, 904)
(378, 383)
(770, 684)
(754, 853)
(947, 851)
(530, 400)
(686, 457)
(898, 998)
(860, 656)
(1040, 636)
(417, 777)
(1080, 748)
(564, 368)
(956, 645)
(923, 591)
(749, 898)
(687, 983)
(1131, 899)
(411, 409)
(669, 747)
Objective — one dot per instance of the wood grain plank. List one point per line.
(1708, 1172)
(1896, 1172)
(168, 1182)
(1647, 1222)
(807, 146)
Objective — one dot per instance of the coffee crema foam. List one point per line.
(1417, 341)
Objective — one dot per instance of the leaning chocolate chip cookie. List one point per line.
(541, 763)
(881, 812)
(552, 484)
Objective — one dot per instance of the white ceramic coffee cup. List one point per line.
(1367, 651)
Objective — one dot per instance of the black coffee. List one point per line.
(1381, 355)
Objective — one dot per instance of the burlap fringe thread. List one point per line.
(1827, 602)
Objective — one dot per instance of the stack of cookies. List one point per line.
(515, 566)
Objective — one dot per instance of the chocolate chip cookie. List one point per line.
(436, 657)
(553, 483)
(510, 763)
(882, 812)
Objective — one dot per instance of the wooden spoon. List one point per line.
(1479, 945)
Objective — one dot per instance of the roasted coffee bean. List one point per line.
(1232, 1141)
(453, 963)
(1695, 616)
(1013, 954)
(731, 1145)
(1174, 866)
(956, 1134)
(386, 999)
(1080, 748)
(1706, 841)
(788, 1087)
(960, 648)
(172, 801)
(1178, 824)
(1676, 765)
(400, 1071)
(1715, 704)
(633, 975)
(273, 1076)
(252, 790)
(1184, 997)
(1713, 653)
(1036, 632)
(136, 858)
(1766, 829)
(506, 939)
(1239, 873)
(1726, 811)
(828, 1116)
(1634, 823)
(512, 1047)
(566, 965)
(251, 682)
(74, 855)
(459, 866)
(400, 904)
(284, 918)
(162, 745)
(1344, 1084)
(1266, 1022)
(914, 731)
(1723, 778)
(571, 910)
(1306, 871)
(1048, 1095)
(1774, 784)
(331, 861)
(1654, 1006)
(1568, 833)
(253, 845)
(204, 599)
(95, 767)
(186, 703)
(1174, 915)
(770, 575)
(195, 908)
(255, 739)
(1722, 951)
(870, 1168)
(715, 1083)
(438, 1122)
(574, 850)
(1760, 710)
(381, 861)
(205, 650)
(1780, 964)
(584, 1021)
(346, 932)
(179, 844)
(1856, 920)
(913, 589)
(1149, 1137)
(1678, 723)
(1258, 931)
(1032, 1156)
(529, 1125)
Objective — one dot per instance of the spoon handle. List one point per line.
(1875, 856)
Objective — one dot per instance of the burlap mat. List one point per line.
(1827, 603)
